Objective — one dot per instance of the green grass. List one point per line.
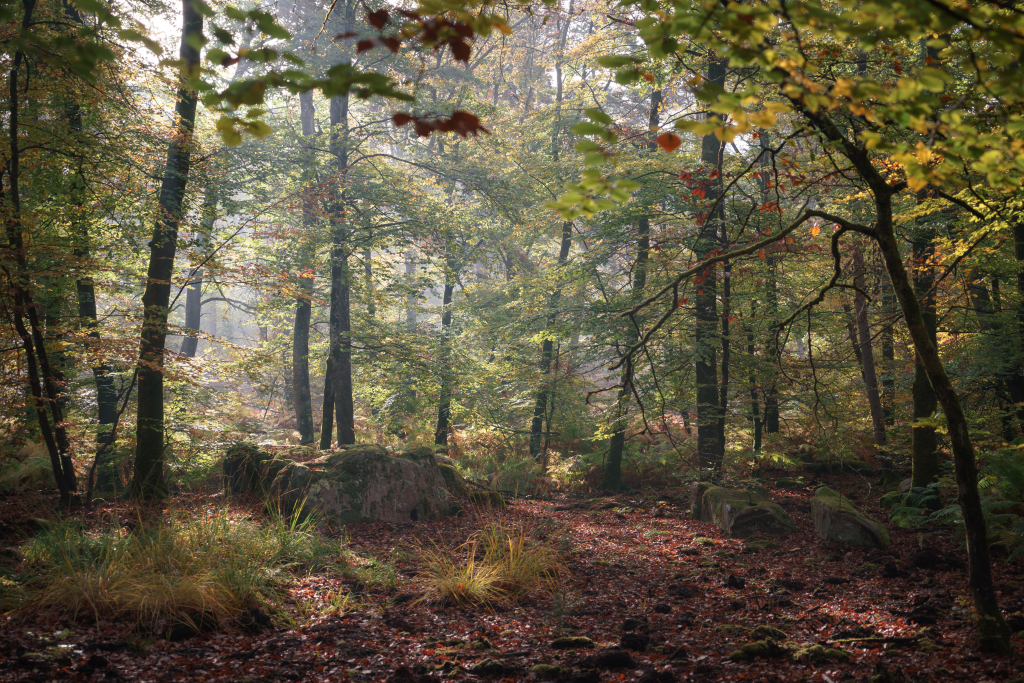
(213, 565)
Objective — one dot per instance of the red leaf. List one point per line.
(364, 45)
(669, 142)
(378, 19)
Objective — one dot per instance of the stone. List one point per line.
(789, 482)
(739, 513)
(765, 632)
(546, 672)
(817, 654)
(488, 667)
(837, 519)
(359, 483)
(571, 642)
(765, 649)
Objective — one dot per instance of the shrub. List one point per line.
(499, 564)
(174, 569)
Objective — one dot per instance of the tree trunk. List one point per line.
(993, 633)
(85, 288)
(924, 447)
(867, 355)
(706, 340)
(327, 413)
(340, 316)
(301, 395)
(194, 293)
(887, 380)
(755, 414)
(42, 381)
(148, 477)
(548, 345)
(444, 405)
(617, 445)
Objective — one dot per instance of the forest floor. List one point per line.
(693, 597)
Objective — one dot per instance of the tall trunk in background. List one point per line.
(41, 380)
(723, 404)
(924, 447)
(548, 346)
(341, 279)
(444, 405)
(755, 415)
(613, 464)
(706, 283)
(148, 477)
(410, 299)
(887, 379)
(867, 355)
(194, 293)
(85, 287)
(301, 395)
(327, 410)
(771, 393)
(851, 333)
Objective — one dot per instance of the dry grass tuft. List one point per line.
(499, 564)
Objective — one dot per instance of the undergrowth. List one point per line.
(169, 571)
(498, 564)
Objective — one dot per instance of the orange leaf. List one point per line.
(760, 252)
(669, 142)
(815, 230)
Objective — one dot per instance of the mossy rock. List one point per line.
(837, 519)
(817, 654)
(488, 667)
(741, 513)
(765, 649)
(755, 544)
(890, 500)
(765, 632)
(546, 672)
(359, 483)
(457, 484)
(572, 643)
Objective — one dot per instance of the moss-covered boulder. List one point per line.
(359, 483)
(837, 519)
(738, 512)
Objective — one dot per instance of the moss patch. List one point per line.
(817, 654)
(765, 649)
(571, 642)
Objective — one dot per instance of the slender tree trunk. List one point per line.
(617, 445)
(444, 405)
(548, 345)
(327, 412)
(194, 293)
(706, 338)
(887, 380)
(148, 477)
(85, 288)
(341, 278)
(42, 380)
(867, 355)
(755, 414)
(924, 447)
(301, 394)
(993, 632)
(851, 333)
(723, 405)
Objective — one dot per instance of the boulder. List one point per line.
(360, 483)
(837, 519)
(739, 512)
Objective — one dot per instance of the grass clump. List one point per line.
(498, 564)
(171, 570)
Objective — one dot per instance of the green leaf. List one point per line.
(598, 116)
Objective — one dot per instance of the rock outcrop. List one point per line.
(738, 512)
(837, 519)
(360, 483)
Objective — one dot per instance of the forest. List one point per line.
(575, 340)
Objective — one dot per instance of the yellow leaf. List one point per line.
(763, 119)
(916, 184)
